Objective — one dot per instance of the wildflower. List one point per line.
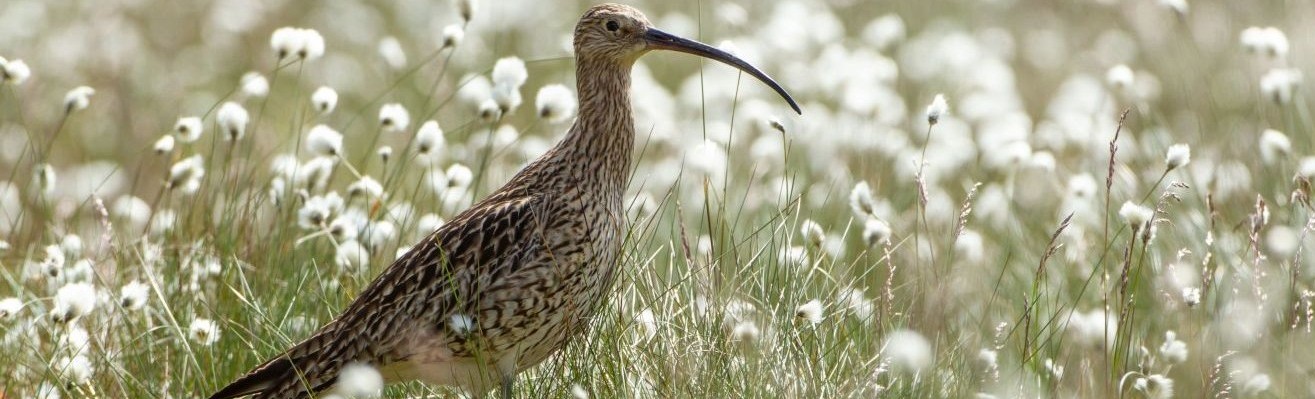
(366, 186)
(1119, 77)
(14, 72)
(324, 99)
(343, 228)
(1274, 144)
(351, 255)
(861, 201)
(1256, 385)
(393, 54)
(75, 369)
(555, 103)
(810, 311)
(459, 175)
(1279, 84)
(9, 308)
(254, 84)
(1173, 350)
(359, 380)
(429, 137)
(393, 117)
(232, 119)
(937, 109)
(1155, 386)
(1191, 296)
(647, 323)
(315, 212)
(73, 301)
(133, 295)
(186, 172)
(876, 232)
(812, 232)
(507, 97)
(324, 141)
(188, 129)
(452, 35)
(466, 8)
(1135, 215)
(1177, 156)
(53, 264)
(164, 145)
(908, 350)
(203, 331)
(489, 110)
(461, 324)
(78, 99)
(306, 44)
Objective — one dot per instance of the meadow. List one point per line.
(981, 199)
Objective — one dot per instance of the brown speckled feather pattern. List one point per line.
(529, 265)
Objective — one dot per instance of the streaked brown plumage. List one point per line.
(527, 266)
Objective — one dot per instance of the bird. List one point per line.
(514, 278)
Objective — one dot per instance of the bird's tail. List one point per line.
(310, 367)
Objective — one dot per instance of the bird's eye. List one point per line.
(612, 26)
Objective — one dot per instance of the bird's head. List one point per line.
(621, 34)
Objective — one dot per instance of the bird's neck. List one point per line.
(604, 132)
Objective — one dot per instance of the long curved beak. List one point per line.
(660, 40)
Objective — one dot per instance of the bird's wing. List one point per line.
(436, 277)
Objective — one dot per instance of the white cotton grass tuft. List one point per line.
(489, 110)
(1179, 7)
(78, 99)
(452, 36)
(164, 145)
(359, 381)
(232, 119)
(366, 186)
(1274, 145)
(351, 256)
(647, 324)
(72, 301)
(1256, 385)
(9, 308)
(937, 109)
(907, 350)
(133, 296)
(1120, 78)
(876, 232)
(861, 201)
(1269, 41)
(305, 44)
(394, 118)
(186, 173)
(1173, 350)
(14, 72)
(1177, 156)
(1279, 84)
(810, 311)
(510, 70)
(1136, 216)
(429, 138)
(322, 140)
(1191, 296)
(390, 49)
(812, 232)
(1154, 386)
(188, 129)
(254, 85)
(324, 99)
(204, 332)
(555, 103)
(507, 97)
(461, 324)
(75, 369)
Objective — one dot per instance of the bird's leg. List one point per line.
(507, 370)
(507, 382)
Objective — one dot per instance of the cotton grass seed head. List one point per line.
(133, 295)
(937, 109)
(188, 129)
(390, 49)
(1120, 78)
(1279, 84)
(367, 186)
(1274, 145)
(461, 324)
(14, 72)
(186, 172)
(555, 103)
(1136, 216)
(305, 44)
(9, 308)
(163, 145)
(204, 332)
(1177, 156)
(78, 99)
(466, 9)
(876, 232)
(351, 256)
(452, 36)
(394, 118)
(73, 301)
(359, 381)
(322, 140)
(324, 99)
(254, 85)
(510, 71)
(429, 138)
(810, 311)
(812, 232)
(907, 350)
(1173, 351)
(232, 119)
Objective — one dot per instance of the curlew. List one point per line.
(513, 279)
